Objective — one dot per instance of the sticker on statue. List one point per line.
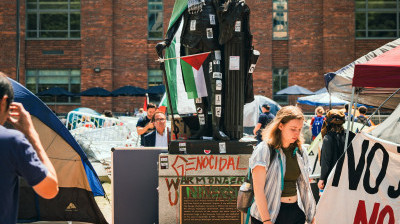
(217, 55)
(202, 119)
(218, 84)
(234, 63)
(216, 62)
(199, 110)
(210, 67)
(212, 19)
(238, 26)
(217, 75)
(192, 25)
(218, 111)
(218, 100)
(209, 33)
(198, 100)
(222, 147)
(252, 67)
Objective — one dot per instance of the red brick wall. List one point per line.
(261, 28)
(365, 46)
(338, 34)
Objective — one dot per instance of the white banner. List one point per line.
(364, 186)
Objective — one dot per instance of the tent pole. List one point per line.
(349, 118)
(355, 110)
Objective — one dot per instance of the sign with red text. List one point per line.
(364, 186)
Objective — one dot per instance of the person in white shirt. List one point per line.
(158, 137)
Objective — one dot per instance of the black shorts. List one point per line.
(289, 213)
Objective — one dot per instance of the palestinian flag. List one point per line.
(181, 104)
(192, 70)
(163, 104)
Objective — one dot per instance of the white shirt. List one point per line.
(162, 140)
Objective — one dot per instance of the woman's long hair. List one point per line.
(272, 134)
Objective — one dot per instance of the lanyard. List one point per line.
(281, 164)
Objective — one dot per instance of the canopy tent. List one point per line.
(252, 110)
(323, 90)
(294, 90)
(129, 91)
(160, 89)
(96, 91)
(77, 179)
(86, 110)
(322, 99)
(370, 91)
(389, 129)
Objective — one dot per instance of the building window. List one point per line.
(155, 77)
(53, 19)
(280, 81)
(155, 23)
(280, 19)
(39, 80)
(377, 19)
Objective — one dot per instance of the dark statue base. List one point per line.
(210, 147)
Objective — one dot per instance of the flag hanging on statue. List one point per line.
(193, 73)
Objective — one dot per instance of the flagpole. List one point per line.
(166, 59)
(174, 130)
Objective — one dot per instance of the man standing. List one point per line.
(263, 120)
(144, 124)
(20, 156)
(362, 118)
(159, 137)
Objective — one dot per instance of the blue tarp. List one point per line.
(38, 109)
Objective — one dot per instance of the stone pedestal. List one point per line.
(200, 188)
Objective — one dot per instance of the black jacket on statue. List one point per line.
(332, 149)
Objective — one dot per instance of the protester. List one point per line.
(108, 113)
(334, 138)
(140, 113)
(346, 112)
(158, 137)
(20, 156)
(144, 124)
(276, 184)
(317, 121)
(362, 118)
(265, 118)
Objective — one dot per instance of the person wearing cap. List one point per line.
(265, 118)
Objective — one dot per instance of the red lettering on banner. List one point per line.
(361, 214)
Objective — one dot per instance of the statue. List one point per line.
(222, 27)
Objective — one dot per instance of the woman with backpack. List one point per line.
(334, 138)
(316, 122)
(279, 167)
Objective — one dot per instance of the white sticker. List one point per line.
(218, 84)
(234, 63)
(198, 100)
(182, 144)
(210, 67)
(218, 111)
(199, 110)
(217, 55)
(218, 99)
(164, 159)
(209, 33)
(192, 25)
(217, 75)
(212, 19)
(202, 119)
(238, 26)
(222, 147)
(252, 67)
(216, 62)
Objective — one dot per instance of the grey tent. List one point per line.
(389, 130)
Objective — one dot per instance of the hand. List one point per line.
(321, 184)
(160, 47)
(150, 125)
(20, 118)
(313, 221)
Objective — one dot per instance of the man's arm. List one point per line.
(256, 128)
(21, 120)
(141, 130)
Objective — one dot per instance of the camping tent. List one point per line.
(78, 182)
(252, 110)
(339, 83)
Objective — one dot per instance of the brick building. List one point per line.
(79, 44)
